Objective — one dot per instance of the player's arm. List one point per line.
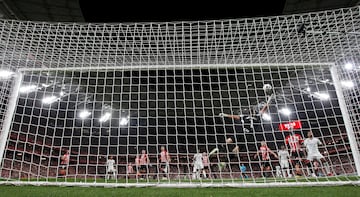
(319, 142)
(264, 109)
(235, 149)
(168, 157)
(236, 117)
(256, 154)
(274, 154)
(266, 106)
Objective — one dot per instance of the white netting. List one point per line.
(100, 90)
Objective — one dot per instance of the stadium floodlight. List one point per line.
(347, 84)
(5, 74)
(105, 117)
(266, 116)
(124, 121)
(321, 95)
(308, 89)
(27, 89)
(348, 66)
(84, 114)
(49, 99)
(285, 111)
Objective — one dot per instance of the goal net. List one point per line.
(247, 102)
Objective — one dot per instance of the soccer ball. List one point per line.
(267, 88)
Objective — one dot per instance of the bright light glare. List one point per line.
(285, 111)
(84, 114)
(49, 99)
(347, 84)
(321, 96)
(5, 74)
(266, 117)
(27, 89)
(45, 85)
(308, 89)
(124, 121)
(105, 117)
(349, 66)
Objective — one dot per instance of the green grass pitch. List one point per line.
(39, 191)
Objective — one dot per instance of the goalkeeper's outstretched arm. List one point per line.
(266, 106)
(236, 117)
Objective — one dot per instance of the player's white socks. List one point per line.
(288, 172)
(204, 174)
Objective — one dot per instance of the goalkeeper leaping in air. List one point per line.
(254, 114)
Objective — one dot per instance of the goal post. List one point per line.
(345, 113)
(260, 102)
(9, 114)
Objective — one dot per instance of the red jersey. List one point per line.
(130, 169)
(65, 159)
(264, 150)
(205, 160)
(144, 159)
(294, 142)
(164, 156)
(137, 161)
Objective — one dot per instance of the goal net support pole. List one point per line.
(9, 114)
(347, 122)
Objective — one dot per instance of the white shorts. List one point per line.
(284, 164)
(111, 170)
(314, 156)
(198, 166)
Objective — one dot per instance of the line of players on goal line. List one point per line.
(291, 162)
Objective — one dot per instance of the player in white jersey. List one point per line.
(198, 165)
(311, 143)
(110, 168)
(284, 157)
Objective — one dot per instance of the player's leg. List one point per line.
(161, 169)
(268, 169)
(262, 169)
(309, 164)
(165, 169)
(287, 168)
(282, 166)
(106, 173)
(325, 164)
(114, 174)
(194, 171)
(143, 171)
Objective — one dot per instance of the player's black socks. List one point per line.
(310, 167)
